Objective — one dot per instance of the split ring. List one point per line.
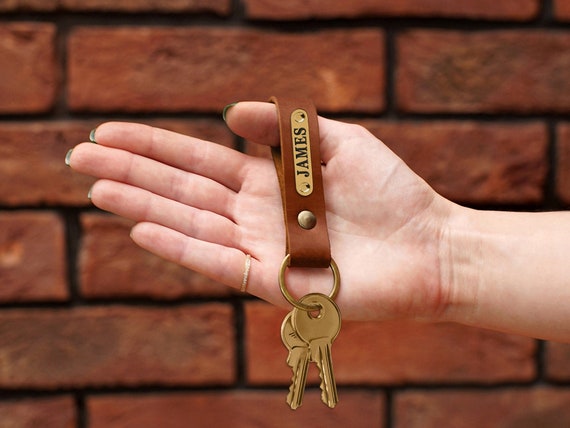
(297, 303)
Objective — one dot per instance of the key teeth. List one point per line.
(290, 401)
(293, 404)
(324, 395)
(329, 401)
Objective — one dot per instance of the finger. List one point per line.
(140, 205)
(254, 121)
(221, 263)
(257, 122)
(156, 177)
(201, 157)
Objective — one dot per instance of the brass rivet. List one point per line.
(307, 219)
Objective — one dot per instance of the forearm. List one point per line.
(510, 272)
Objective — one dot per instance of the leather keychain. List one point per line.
(298, 164)
(310, 328)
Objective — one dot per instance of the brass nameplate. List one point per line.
(302, 152)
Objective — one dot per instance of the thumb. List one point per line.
(254, 121)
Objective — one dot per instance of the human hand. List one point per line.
(206, 206)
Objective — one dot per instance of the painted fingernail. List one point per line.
(226, 109)
(92, 136)
(68, 157)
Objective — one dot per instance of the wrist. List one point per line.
(460, 265)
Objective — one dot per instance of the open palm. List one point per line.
(206, 206)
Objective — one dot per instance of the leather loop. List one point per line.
(298, 164)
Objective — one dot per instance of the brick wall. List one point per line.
(94, 332)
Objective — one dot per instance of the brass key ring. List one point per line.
(296, 303)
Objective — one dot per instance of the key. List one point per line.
(319, 330)
(298, 360)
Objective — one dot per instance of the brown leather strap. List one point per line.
(298, 165)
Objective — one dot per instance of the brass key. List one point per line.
(319, 330)
(298, 360)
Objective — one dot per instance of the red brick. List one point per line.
(485, 71)
(57, 412)
(517, 10)
(473, 162)
(29, 68)
(29, 5)
(558, 361)
(221, 7)
(203, 69)
(32, 257)
(563, 163)
(505, 408)
(32, 163)
(116, 346)
(561, 10)
(112, 265)
(369, 353)
(240, 409)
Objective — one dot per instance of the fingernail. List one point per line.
(89, 193)
(92, 136)
(226, 109)
(68, 157)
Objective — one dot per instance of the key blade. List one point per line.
(330, 398)
(300, 364)
(321, 355)
(298, 360)
(320, 329)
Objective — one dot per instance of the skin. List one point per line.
(403, 250)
